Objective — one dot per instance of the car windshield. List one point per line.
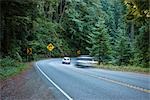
(66, 58)
(85, 59)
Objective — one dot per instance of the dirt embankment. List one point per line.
(25, 86)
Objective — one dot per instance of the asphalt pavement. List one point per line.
(74, 83)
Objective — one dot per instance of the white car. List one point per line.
(85, 61)
(66, 60)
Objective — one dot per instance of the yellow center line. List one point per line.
(116, 82)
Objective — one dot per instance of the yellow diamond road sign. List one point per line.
(50, 47)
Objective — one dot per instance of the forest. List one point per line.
(114, 31)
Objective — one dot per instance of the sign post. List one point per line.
(78, 52)
(50, 47)
(29, 53)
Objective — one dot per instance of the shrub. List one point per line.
(10, 67)
(8, 62)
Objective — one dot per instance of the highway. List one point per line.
(71, 83)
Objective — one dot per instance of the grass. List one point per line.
(10, 67)
(125, 68)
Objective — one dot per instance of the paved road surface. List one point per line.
(74, 83)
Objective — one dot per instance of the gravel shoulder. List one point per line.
(25, 86)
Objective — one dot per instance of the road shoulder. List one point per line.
(25, 86)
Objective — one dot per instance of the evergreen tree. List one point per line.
(99, 39)
(142, 48)
(123, 53)
(138, 14)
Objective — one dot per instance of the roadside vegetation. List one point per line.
(136, 69)
(10, 67)
(115, 31)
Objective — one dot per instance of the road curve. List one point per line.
(94, 84)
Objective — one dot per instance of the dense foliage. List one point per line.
(114, 31)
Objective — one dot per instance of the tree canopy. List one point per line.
(114, 31)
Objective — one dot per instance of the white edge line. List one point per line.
(64, 93)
